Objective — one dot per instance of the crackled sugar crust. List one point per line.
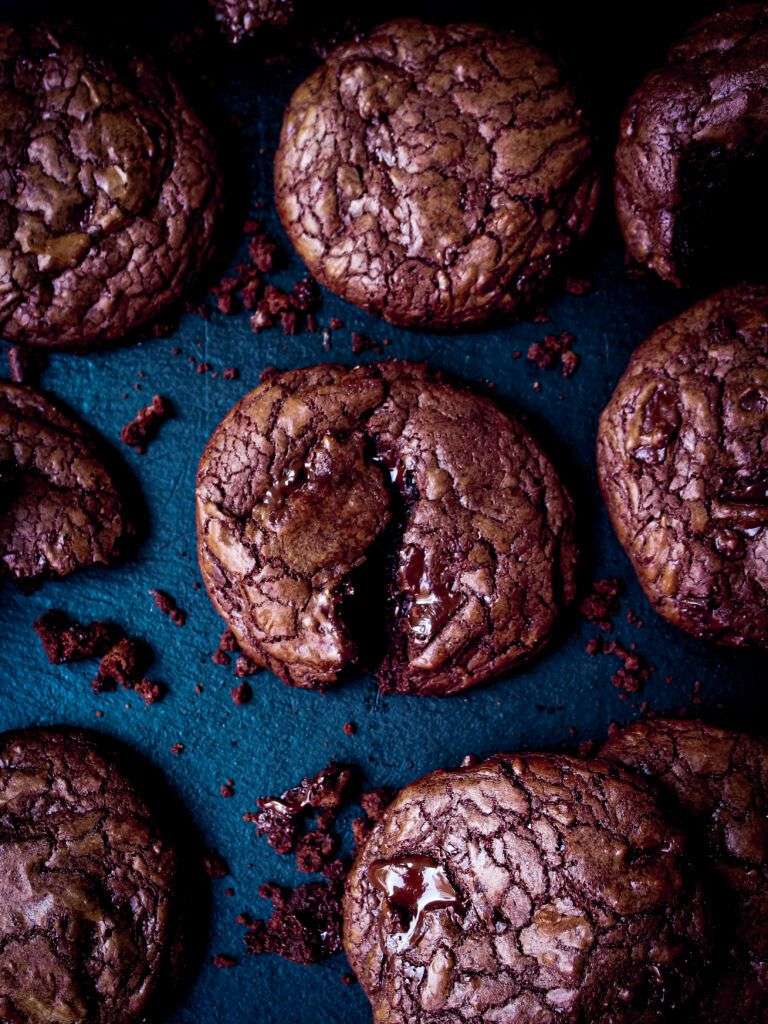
(720, 781)
(573, 900)
(310, 469)
(110, 194)
(683, 464)
(86, 881)
(434, 175)
(60, 509)
(712, 91)
(243, 18)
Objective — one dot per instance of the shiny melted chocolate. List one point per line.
(413, 887)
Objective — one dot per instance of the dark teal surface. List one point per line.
(564, 697)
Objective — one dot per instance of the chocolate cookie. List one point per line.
(110, 196)
(528, 889)
(87, 884)
(683, 464)
(243, 18)
(60, 508)
(434, 175)
(719, 780)
(693, 152)
(327, 487)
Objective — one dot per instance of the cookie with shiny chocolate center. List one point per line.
(435, 175)
(528, 888)
(683, 464)
(341, 510)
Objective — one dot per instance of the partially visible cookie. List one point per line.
(110, 192)
(88, 884)
(694, 146)
(528, 889)
(719, 780)
(683, 464)
(243, 18)
(60, 508)
(337, 505)
(435, 175)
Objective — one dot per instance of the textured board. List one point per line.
(563, 698)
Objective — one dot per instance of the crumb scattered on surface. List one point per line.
(601, 604)
(65, 640)
(304, 926)
(554, 350)
(146, 424)
(168, 606)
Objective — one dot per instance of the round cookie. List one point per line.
(682, 456)
(87, 884)
(243, 18)
(328, 489)
(111, 192)
(720, 781)
(528, 889)
(434, 175)
(693, 149)
(60, 508)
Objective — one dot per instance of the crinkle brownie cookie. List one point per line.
(693, 152)
(328, 484)
(528, 889)
(108, 197)
(60, 508)
(719, 780)
(88, 884)
(435, 175)
(683, 463)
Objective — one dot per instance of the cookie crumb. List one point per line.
(224, 960)
(65, 640)
(304, 926)
(241, 694)
(146, 423)
(168, 606)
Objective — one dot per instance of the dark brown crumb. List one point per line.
(123, 664)
(241, 694)
(349, 728)
(246, 666)
(305, 924)
(227, 646)
(554, 349)
(224, 960)
(227, 789)
(168, 606)
(373, 804)
(280, 818)
(635, 670)
(214, 865)
(150, 691)
(230, 373)
(177, 748)
(348, 979)
(65, 640)
(601, 604)
(146, 423)
(316, 848)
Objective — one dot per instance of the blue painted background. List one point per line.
(283, 734)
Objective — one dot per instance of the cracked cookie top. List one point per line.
(706, 106)
(60, 508)
(683, 466)
(329, 490)
(528, 889)
(243, 18)
(719, 779)
(108, 197)
(434, 175)
(87, 881)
